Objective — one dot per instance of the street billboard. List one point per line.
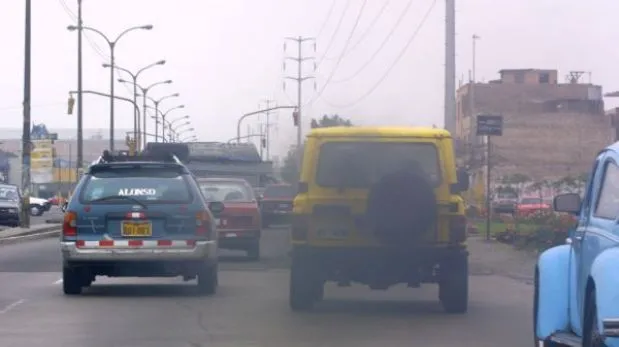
(42, 161)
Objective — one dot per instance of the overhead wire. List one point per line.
(324, 23)
(392, 66)
(367, 30)
(380, 47)
(335, 32)
(346, 43)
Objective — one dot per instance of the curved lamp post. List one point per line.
(156, 102)
(134, 78)
(112, 44)
(165, 114)
(144, 91)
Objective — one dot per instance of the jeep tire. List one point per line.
(304, 290)
(454, 284)
(208, 279)
(72, 281)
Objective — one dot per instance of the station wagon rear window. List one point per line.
(361, 164)
(147, 185)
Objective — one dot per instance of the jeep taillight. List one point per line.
(69, 224)
(203, 224)
(457, 229)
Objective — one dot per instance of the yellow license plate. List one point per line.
(137, 229)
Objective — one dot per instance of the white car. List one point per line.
(39, 206)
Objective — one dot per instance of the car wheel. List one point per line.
(253, 252)
(71, 281)
(591, 332)
(303, 290)
(454, 285)
(208, 278)
(36, 210)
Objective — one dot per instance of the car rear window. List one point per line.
(147, 185)
(279, 192)
(226, 191)
(361, 164)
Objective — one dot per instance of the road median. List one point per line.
(35, 232)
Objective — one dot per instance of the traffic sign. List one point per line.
(489, 125)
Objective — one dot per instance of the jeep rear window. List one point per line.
(148, 185)
(279, 191)
(361, 164)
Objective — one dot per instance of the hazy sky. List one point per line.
(224, 56)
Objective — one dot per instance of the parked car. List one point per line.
(38, 206)
(527, 206)
(139, 217)
(10, 205)
(276, 203)
(576, 284)
(239, 224)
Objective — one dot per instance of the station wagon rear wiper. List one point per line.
(111, 197)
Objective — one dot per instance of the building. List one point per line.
(550, 129)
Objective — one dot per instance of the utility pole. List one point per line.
(80, 105)
(267, 130)
(450, 65)
(26, 143)
(300, 78)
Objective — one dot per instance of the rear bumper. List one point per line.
(610, 327)
(202, 250)
(238, 239)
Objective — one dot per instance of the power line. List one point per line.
(393, 65)
(367, 30)
(324, 23)
(352, 32)
(337, 29)
(380, 47)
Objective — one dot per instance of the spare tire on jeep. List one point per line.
(401, 207)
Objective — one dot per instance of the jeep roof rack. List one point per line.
(123, 156)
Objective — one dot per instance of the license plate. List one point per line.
(132, 229)
(217, 221)
(231, 235)
(283, 206)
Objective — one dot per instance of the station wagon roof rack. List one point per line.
(124, 156)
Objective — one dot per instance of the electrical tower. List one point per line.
(300, 78)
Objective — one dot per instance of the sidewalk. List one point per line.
(37, 231)
(495, 258)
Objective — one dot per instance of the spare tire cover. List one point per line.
(401, 207)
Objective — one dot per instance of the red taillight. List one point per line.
(203, 224)
(69, 224)
(457, 229)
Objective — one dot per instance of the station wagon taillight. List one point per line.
(69, 224)
(203, 224)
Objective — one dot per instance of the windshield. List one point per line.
(360, 164)
(280, 191)
(226, 191)
(141, 184)
(8, 193)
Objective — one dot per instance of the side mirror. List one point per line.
(569, 203)
(63, 207)
(462, 183)
(216, 207)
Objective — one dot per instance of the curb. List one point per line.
(43, 233)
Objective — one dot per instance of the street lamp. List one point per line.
(176, 133)
(112, 45)
(165, 114)
(156, 118)
(181, 132)
(190, 138)
(144, 91)
(134, 77)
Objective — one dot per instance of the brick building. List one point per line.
(550, 129)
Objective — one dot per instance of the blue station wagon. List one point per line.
(577, 284)
(142, 217)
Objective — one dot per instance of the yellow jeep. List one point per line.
(335, 236)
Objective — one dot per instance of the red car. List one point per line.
(239, 224)
(276, 203)
(527, 206)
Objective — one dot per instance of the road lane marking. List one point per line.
(58, 282)
(12, 306)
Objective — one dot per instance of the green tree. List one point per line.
(290, 171)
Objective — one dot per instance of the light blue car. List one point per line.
(577, 284)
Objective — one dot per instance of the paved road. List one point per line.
(250, 309)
